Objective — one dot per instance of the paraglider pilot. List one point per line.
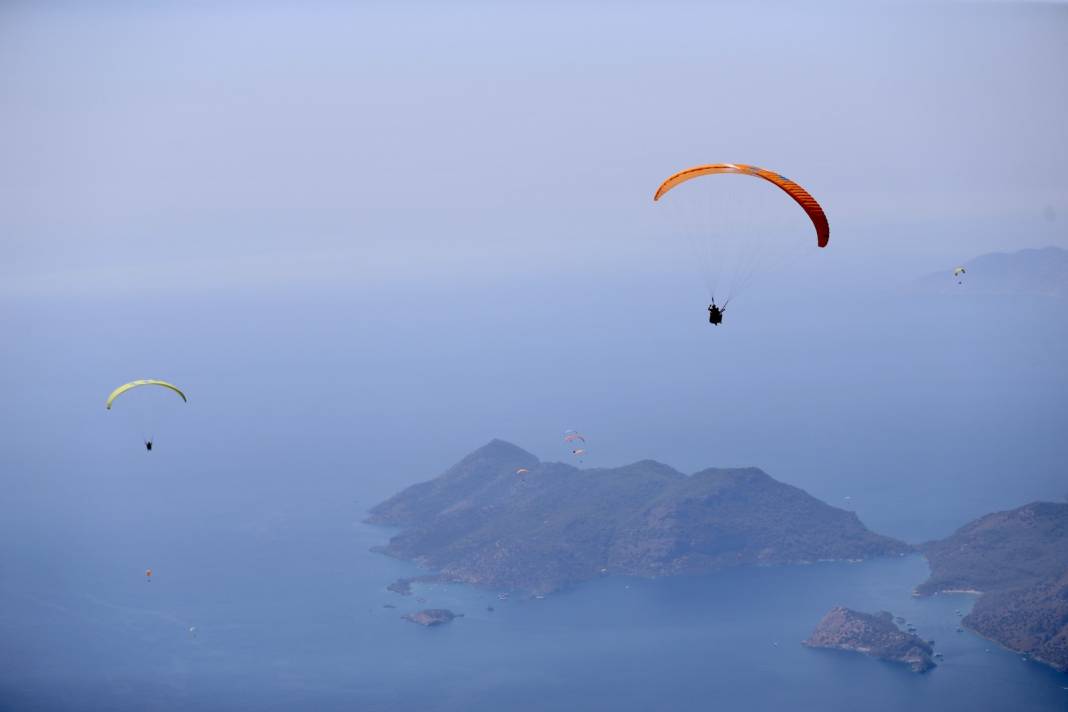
(715, 314)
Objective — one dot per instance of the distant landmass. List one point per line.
(1033, 271)
(556, 525)
(1018, 560)
(874, 635)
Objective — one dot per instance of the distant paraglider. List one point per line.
(126, 387)
(522, 471)
(573, 438)
(958, 273)
(148, 575)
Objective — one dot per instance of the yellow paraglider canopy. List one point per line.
(143, 382)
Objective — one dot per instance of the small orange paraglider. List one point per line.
(148, 575)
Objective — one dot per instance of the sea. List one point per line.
(290, 611)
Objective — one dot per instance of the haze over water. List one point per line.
(366, 242)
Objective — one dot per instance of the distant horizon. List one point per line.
(211, 148)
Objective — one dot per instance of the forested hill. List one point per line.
(554, 525)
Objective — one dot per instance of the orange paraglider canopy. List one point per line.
(799, 194)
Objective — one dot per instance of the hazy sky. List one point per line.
(190, 145)
(369, 239)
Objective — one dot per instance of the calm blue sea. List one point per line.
(289, 614)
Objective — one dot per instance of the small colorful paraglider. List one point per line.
(148, 575)
(572, 438)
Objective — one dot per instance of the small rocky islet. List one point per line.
(873, 635)
(432, 616)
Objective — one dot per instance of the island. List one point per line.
(403, 586)
(874, 635)
(1017, 562)
(557, 525)
(432, 616)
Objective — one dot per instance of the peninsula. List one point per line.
(1018, 562)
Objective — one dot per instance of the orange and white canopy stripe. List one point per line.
(799, 194)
